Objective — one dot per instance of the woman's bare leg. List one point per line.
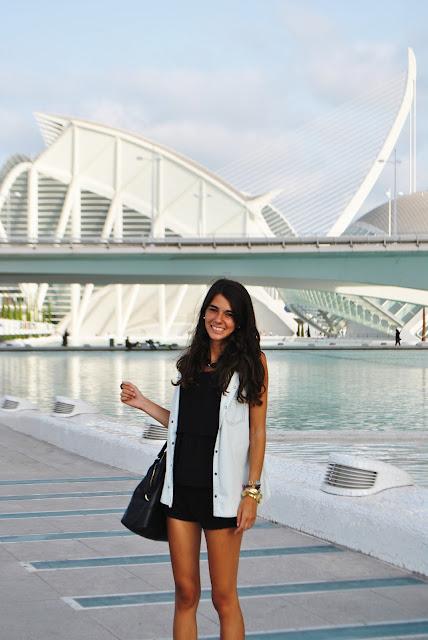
(223, 557)
(185, 546)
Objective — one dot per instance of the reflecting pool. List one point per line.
(330, 392)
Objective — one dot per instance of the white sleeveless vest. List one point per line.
(230, 461)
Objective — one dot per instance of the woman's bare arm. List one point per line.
(258, 430)
(247, 511)
(132, 396)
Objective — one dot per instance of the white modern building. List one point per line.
(96, 184)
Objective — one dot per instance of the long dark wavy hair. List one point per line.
(241, 352)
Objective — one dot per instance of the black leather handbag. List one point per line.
(145, 514)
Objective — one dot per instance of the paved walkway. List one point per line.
(69, 571)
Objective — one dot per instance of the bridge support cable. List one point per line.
(306, 162)
(327, 167)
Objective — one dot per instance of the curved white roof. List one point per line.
(412, 217)
(128, 173)
(135, 174)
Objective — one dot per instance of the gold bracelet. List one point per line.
(252, 489)
(256, 494)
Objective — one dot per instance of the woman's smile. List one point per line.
(215, 328)
(219, 318)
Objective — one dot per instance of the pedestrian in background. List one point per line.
(397, 338)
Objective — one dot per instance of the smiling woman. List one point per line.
(215, 453)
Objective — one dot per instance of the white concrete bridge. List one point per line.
(286, 263)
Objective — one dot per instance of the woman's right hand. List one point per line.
(131, 395)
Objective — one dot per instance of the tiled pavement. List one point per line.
(72, 572)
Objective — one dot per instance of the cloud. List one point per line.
(333, 67)
(199, 113)
(237, 97)
(307, 25)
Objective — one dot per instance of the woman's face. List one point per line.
(219, 319)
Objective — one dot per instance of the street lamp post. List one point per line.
(394, 218)
(388, 195)
(394, 211)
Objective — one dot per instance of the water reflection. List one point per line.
(328, 391)
(73, 375)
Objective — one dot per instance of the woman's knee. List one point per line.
(187, 594)
(224, 601)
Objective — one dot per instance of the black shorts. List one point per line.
(195, 504)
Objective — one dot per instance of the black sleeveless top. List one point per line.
(198, 421)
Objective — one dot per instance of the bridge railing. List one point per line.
(218, 242)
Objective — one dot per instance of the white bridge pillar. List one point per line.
(119, 310)
(75, 303)
(162, 310)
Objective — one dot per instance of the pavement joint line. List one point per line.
(75, 494)
(388, 629)
(69, 480)
(63, 535)
(78, 535)
(160, 558)
(248, 591)
(263, 524)
(59, 514)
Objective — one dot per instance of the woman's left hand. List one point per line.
(247, 513)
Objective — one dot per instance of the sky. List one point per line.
(213, 80)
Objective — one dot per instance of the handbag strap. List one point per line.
(162, 451)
